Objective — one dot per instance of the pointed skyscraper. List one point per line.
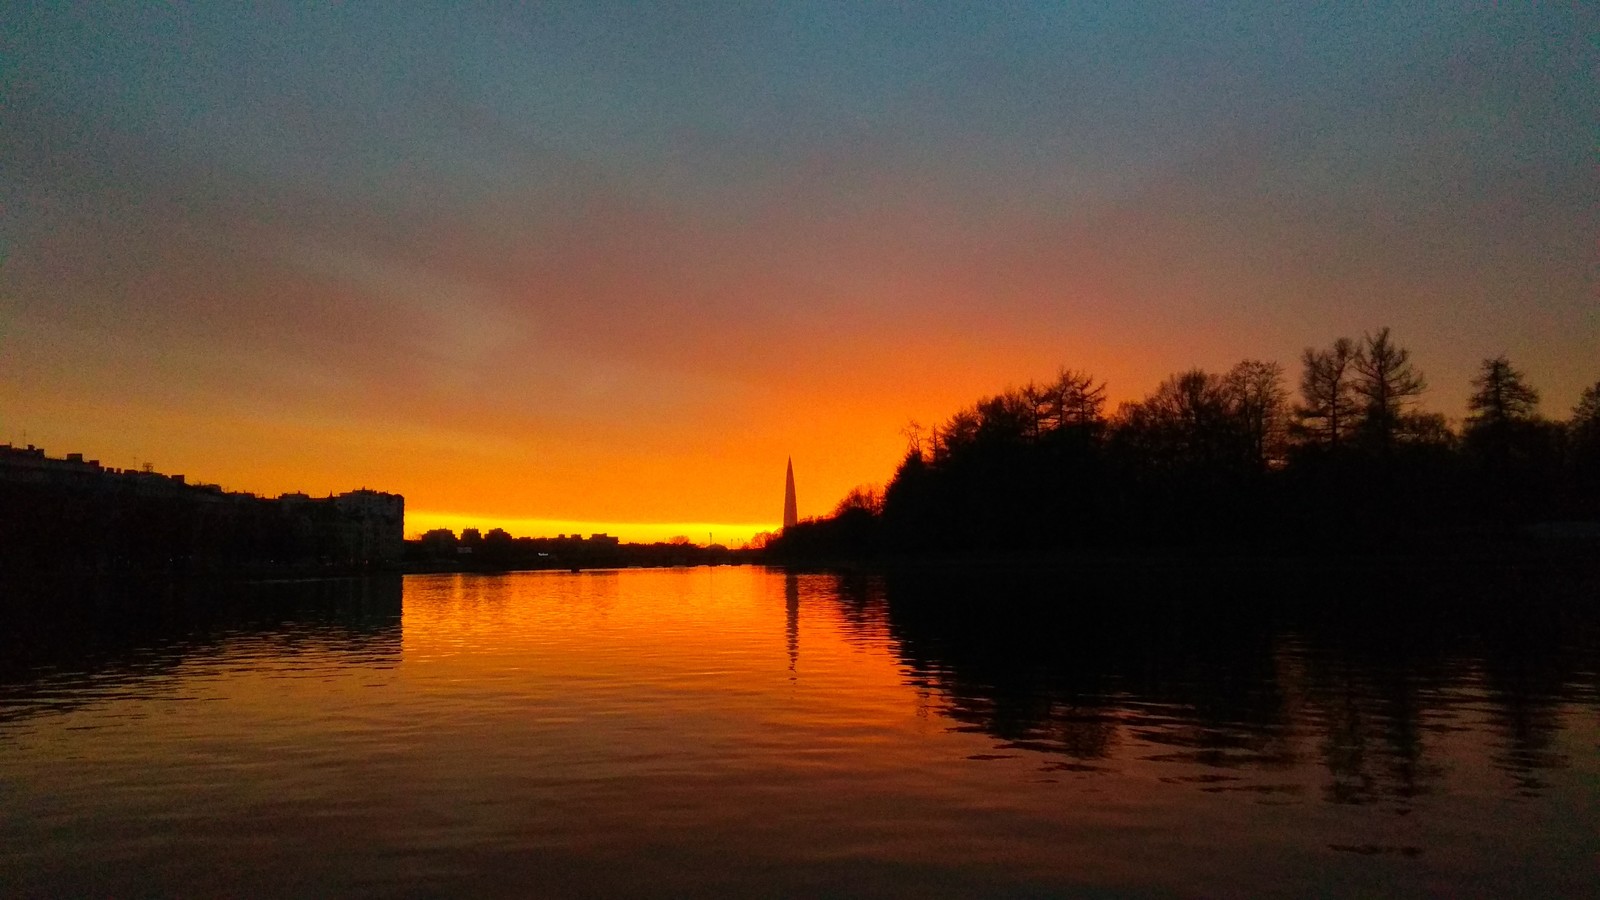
(790, 515)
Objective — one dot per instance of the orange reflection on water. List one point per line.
(762, 706)
(743, 730)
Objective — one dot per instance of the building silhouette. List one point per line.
(790, 515)
(76, 514)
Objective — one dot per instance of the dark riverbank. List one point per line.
(1569, 547)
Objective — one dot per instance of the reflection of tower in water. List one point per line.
(790, 511)
(791, 625)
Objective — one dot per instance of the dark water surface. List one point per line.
(750, 732)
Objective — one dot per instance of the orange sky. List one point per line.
(607, 275)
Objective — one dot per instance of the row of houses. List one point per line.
(72, 512)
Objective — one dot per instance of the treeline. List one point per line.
(440, 550)
(1228, 459)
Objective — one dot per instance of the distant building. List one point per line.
(790, 509)
(73, 513)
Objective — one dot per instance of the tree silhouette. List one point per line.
(1502, 396)
(1584, 426)
(1586, 415)
(1512, 455)
(1386, 383)
(1076, 401)
(1426, 430)
(1583, 432)
(1199, 421)
(1327, 390)
(1189, 424)
(864, 497)
(956, 434)
(913, 432)
(1256, 390)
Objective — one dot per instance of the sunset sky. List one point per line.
(607, 266)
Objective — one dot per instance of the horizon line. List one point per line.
(727, 533)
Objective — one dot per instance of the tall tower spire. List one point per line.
(790, 515)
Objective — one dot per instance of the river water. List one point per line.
(752, 732)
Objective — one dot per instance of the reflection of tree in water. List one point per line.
(1528, 727)
(861, 607)
(855, 601)
(1527, 671)
(1075, 670)
(1235, 674)
(1373, 725)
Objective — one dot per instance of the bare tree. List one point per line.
(1256, 390)
(1081, 402)
(913, 434)
(1038, 409)
(1188, 422)
(1327, 390)
(1385, 383)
